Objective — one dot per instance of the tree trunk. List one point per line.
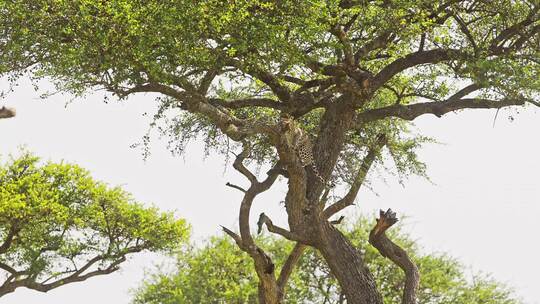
(269, 292)
(344, 260)
(347, 265)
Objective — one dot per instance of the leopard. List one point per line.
(299, 140)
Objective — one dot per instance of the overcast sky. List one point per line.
(483, 207)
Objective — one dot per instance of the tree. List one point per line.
(59, 226)
(352, 75)
(200, 271)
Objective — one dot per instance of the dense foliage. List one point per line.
(58, 225)
(238, 52)
(220, 273)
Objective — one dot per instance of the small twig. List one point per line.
(235, 237)
(264, 219)
(495, 117)
(236, 187)
(338, 221)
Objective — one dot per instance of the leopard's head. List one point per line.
(285, 121)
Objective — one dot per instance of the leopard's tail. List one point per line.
(317, 174)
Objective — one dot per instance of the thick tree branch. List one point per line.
(247, 103)
(206, 81)
(78, 275)
(335, 122)
(194, 102)
(271, 80)
(269, 291)
(396, 254)
(411, 60)
(250, 194)
(410, 112)
(367, 162)
(439, 55)
(290, 263)
(7, 112)
(271, 177)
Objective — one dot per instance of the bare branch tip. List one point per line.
(236, 187)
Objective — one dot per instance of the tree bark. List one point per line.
(269, 292)
(347, 265)
(396, 254)
(344, 260)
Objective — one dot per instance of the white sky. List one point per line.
(483, 208)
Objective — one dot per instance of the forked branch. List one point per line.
(396, 254)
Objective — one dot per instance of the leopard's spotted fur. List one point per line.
(299, 140)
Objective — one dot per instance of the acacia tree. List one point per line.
(351, 73)
(59, 226)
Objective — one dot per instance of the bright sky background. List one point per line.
(482, 209)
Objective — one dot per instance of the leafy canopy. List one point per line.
(228, 63)
(58, 225)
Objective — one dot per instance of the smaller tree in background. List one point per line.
(221, 273)
(59, 226)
